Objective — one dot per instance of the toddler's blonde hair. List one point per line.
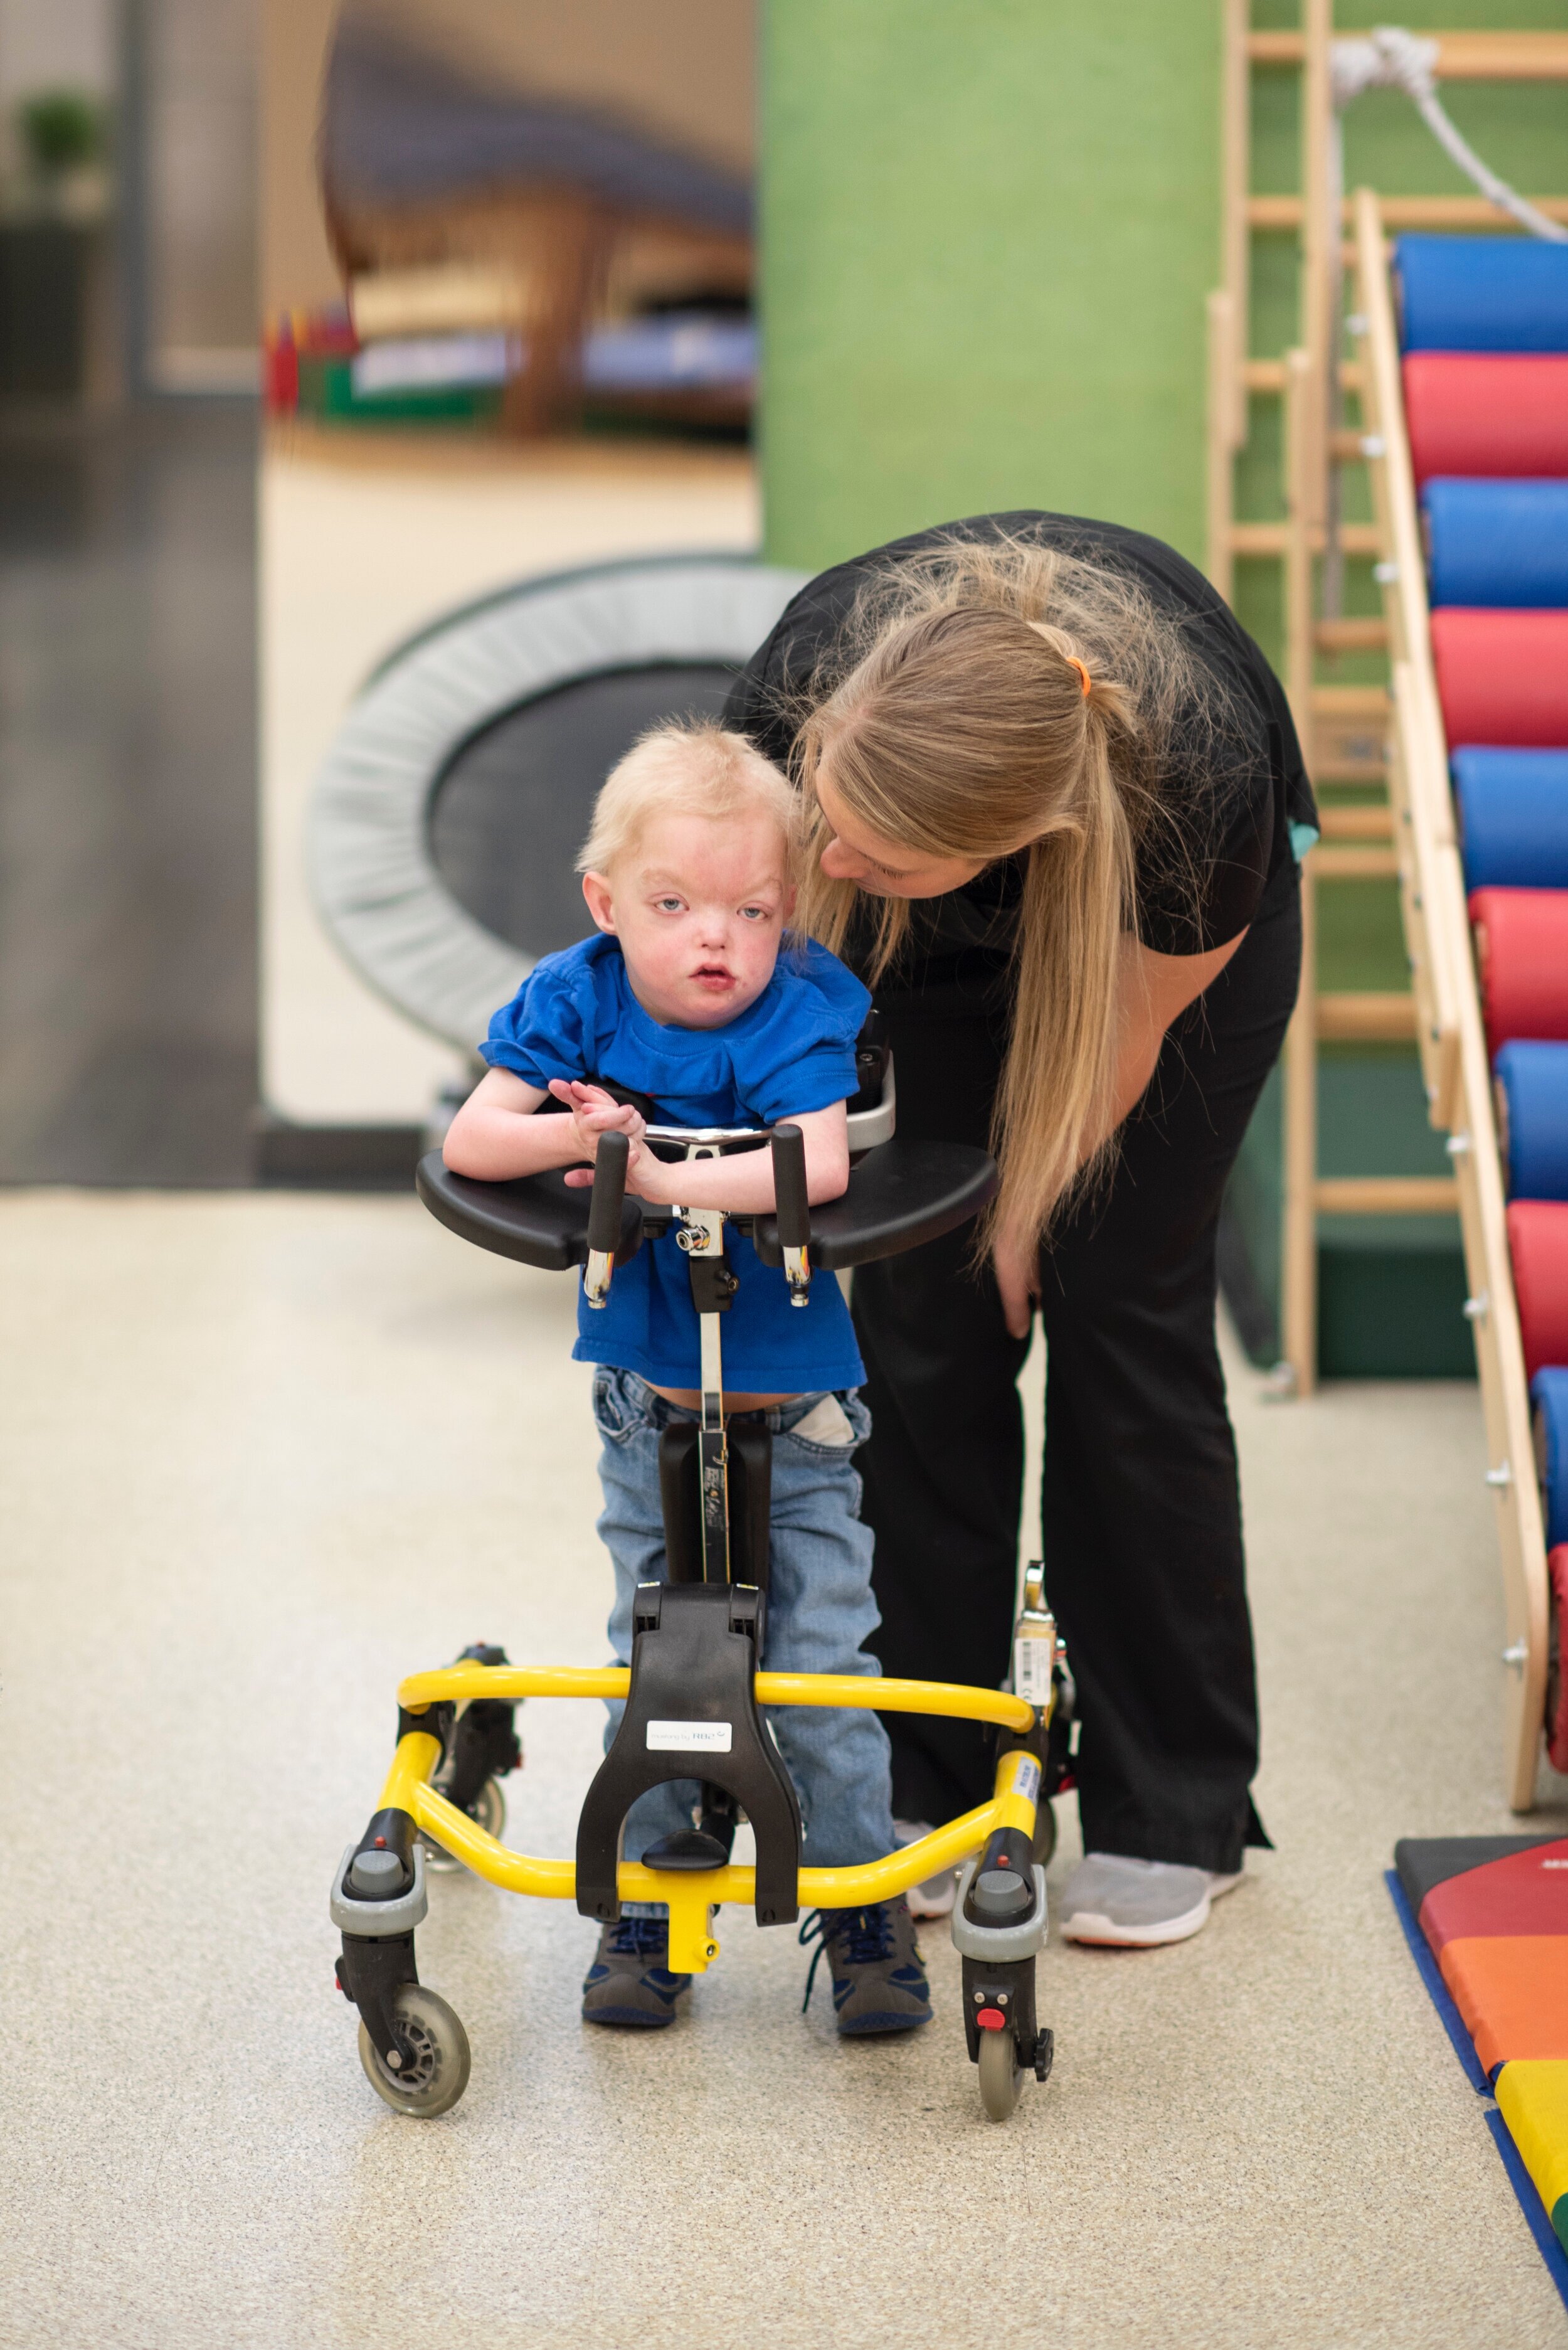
(690, 768)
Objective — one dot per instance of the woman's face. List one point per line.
(884, 867)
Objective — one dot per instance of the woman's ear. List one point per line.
(596, 892)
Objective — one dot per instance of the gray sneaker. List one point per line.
(878, 1977)
(1137, 1904)
(629, 1981)
(935, 1897)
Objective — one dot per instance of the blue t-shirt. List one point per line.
(793, 1051)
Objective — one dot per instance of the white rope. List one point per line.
(1392, 58)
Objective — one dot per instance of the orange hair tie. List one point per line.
(1073, 662)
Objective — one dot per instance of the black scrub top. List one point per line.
(1231, 787)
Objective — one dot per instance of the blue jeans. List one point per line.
(820, 1613)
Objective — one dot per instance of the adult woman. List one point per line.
(1056, 794)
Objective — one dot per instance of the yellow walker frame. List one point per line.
(692, 1899)
(412, 2045)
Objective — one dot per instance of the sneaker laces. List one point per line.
(639, 1938)
(867, 1934)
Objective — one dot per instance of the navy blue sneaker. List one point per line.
(629, 1981)
(879, 1981)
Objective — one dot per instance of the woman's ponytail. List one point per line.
(1053, 1105)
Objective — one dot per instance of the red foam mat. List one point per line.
(1525, 1894)
(1522, 954)
(1486, 412)
(1538, 1246)
(1503, 676)
(1493, 1954)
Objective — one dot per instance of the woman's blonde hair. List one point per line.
(965, 730)
(688, 767)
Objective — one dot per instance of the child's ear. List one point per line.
(596, 891)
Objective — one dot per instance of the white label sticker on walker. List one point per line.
(1026, 1778)
(688, 1737)
(1032, 1662)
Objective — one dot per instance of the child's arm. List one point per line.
(496, 1134)
(743, 1182)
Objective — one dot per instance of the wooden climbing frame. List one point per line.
(1345, 729)
(1388, 735)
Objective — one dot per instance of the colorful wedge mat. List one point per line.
(1486, 1922)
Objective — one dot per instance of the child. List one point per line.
(682, 995)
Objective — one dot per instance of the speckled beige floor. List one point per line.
(262, 1456)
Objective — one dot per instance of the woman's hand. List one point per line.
(1016, 1264)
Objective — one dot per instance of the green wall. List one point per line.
(988, 229)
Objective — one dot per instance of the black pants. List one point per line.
(1142, 1521)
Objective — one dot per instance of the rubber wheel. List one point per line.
(438, 2075)
(1001, 2075)
(489, 1813)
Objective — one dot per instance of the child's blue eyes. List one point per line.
(678, 906)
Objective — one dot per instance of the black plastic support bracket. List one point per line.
(750, 1481)
(431, 1721)
(691, 1714)
(371, 1973)
(483, 1741)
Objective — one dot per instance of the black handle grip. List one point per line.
(609, 1193)
(793, 1207)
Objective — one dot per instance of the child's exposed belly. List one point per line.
(691, 1399)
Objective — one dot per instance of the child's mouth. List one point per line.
(713, 977)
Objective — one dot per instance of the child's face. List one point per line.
(699, 907)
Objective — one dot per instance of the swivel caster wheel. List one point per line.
(488, 1810)
(436, 2073)
(1004, 2042)
(1001, 2073)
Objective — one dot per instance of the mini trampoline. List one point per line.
(444, 822)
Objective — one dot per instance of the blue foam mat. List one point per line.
(1503, 544)
(1537, 2218)
(1548, 1416)
(1481, 293)
(1532, 1074)
(1513, 817)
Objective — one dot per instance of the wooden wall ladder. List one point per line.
(1343, 729)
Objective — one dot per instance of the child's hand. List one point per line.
(593, 1112)
(647, 1178)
